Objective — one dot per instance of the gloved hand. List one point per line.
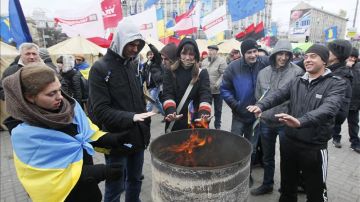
(114, 171)
(110, 140)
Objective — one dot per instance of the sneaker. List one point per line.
(336, 143)
(355, 147)
(263, 189)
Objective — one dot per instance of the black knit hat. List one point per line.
(248, 44)
(340, 48)
(354, 52)
(169, 51)
(319, 50)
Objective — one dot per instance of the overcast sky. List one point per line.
(280, 10)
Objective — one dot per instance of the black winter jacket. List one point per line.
(314, 104)
(345, 73)
(355, 99)
(115, 96)
(73, 80)
(153, 72)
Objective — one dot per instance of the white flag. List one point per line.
(147, 22)
(86, 22)
(189, 22)
(215, 22)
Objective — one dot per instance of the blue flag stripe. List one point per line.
(18, 26)
(240, 9)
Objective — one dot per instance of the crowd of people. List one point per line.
(302, 99)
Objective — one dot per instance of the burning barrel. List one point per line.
(200, 165)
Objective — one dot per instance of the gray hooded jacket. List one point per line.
(271, 78)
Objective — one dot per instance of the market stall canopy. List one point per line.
(301, 47)
(228, 45)
(202, 45)
(7, 50)
(76, 45)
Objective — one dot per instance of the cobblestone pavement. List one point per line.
(343, 180)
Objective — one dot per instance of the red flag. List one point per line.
(246, 32)
(112, 13)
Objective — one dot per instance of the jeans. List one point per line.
(268, 143)
(245, 130)
(353, 123)
(130, 181)
(154, 93)
(218, 101)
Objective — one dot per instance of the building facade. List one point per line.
(308, 24)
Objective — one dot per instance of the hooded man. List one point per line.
(116, 103)
(271, 78)
(215, 66)
(339, 51)
(315, 99)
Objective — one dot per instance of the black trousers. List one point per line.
(353, 123)
(313, 164)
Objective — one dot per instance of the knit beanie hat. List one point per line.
(319, 50)
(169, 51)
(43, 53)
(354, 52)
(203, 54)
(248, 44)
(340, 48)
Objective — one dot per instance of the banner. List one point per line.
(147, 22)
(18, 27)
(86, 22)
(188, 22)
(215, 22)
(111, 13)
(330, 34)
(241, 9)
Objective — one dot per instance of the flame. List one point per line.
(184, 152)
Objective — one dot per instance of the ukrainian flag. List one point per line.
(162, 31)
(48, 162)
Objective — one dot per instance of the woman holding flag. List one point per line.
(53, 140)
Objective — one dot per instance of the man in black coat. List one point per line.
(315, 100)
(339, 51)
(116, 104)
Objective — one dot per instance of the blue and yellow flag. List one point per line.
(18, 27)
(48, 162)
(330, 34)
(5, 33)
(162, 31)
(241, 9)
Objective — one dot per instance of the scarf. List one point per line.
(20, 109)
(187, 64)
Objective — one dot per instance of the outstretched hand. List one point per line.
(254, 109)
(288, 120)
(173, 117)
(143, 116)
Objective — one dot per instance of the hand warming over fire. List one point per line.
(254, 109)
(173, 117)
(142, 116)
(288, 120)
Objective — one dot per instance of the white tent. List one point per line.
(76, 45)
(158, 44)
(202, 45)
(7, 56)
(228, 45)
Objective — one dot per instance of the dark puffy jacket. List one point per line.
(355, 99)
(153, 73)
(314, 104)
(345, 73)
(73, 80)
(238, 86)
(115, 96)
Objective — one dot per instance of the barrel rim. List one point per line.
(202, 167)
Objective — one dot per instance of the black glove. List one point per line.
(110, 140)
(113, 171)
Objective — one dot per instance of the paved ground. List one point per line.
(343, 172)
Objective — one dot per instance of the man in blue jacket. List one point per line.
(238, 89)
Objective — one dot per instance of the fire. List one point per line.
(184, 153)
